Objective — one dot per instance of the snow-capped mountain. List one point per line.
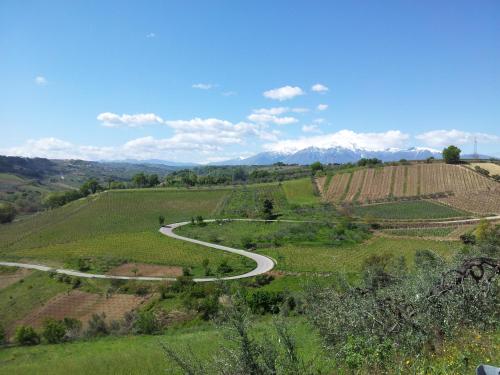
(333, 155)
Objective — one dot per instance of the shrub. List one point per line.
(182, 283)
(224, 267)
(261, 302)
(97, 326)
(7, 213)
(26, 335)
(53, 331)
(2, 335)
(146, 323)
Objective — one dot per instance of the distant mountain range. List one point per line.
(333, 155)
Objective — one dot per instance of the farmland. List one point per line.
(454, 185)
(299, 192)
(116, 227)
(408, 210)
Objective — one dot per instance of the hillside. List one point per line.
(455, 185)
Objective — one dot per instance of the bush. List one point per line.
(7, 213)
(2, 335)
(97, 326)
(182, 283)
(146, 323)
(53, 331)
(262, 302)
(224, 267)
(26, 335)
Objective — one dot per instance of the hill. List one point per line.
(454, 185)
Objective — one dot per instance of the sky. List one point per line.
(205, 81)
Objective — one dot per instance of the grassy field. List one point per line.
(143, 354)
(421, 232)
(300, 192)
(247, 201)
(309, 251)
(120, 224)
(408, 210)
(18, 299)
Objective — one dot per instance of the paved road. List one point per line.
(264, 264)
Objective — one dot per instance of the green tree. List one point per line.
(26, 335)
(91, 186)
(161, 220)
(153, 180)
(451, 154)
(140, 180)
(316, 166)
(267, 209)
(7, 213)
(53, 331)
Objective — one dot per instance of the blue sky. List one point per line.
(212, 80)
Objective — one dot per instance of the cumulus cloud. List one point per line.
(443, 138)
(343, 138)
(40, 80)
(203, 86)
(112, 120)
(284, 93)
(318, 87)
(322, 107)
(311, 129)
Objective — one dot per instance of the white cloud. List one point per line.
(271, 116)
(229, 93)
(112, 120)
(284, 93)
(319, 120)
(322, 107)
(343, 138)
(41, 80)
(203, 86)
(300, 110)
(318, 87)
(311, 129)
(150, 35)
(443, 138)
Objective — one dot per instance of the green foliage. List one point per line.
(97, 326)
(161, 220)
(146, 323)
(451, 154)
(2, 335)
(7, 213)
(90, 186)
(316, 166)
(224, 268)
(54, 331)
(364, 162)
(267, 209)
(26, 335)
(408, 210)
(54, 200)
(262, 302)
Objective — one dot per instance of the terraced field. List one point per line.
(455, 185)
(408, 210)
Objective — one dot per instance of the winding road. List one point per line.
(264, 264)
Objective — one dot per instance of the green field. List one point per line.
(408, 210)
(122, 225)
(303, 253)
(20, 298)
(300, 192)
(421, 232)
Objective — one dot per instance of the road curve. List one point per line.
(264, 264)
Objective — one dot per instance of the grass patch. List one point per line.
(421, 232)
(300, 192)
(349, 258)
(19, 299)
(408, 210)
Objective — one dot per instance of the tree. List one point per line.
(316, 166)
(267, 209)
(451, 154)
(140, 180)
(54, 331)
(161, 220)
(7, 213)
(26, 335)
(91, 186)
(153, 180)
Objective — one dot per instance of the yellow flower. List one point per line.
(407, 362)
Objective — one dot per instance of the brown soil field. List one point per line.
(490, 167)
(467, 189)
(11, 278)
(320, 184)
(142, 269)
(337, 187)
(81, 306)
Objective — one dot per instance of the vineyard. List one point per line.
(454, 185)
(117, 227)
